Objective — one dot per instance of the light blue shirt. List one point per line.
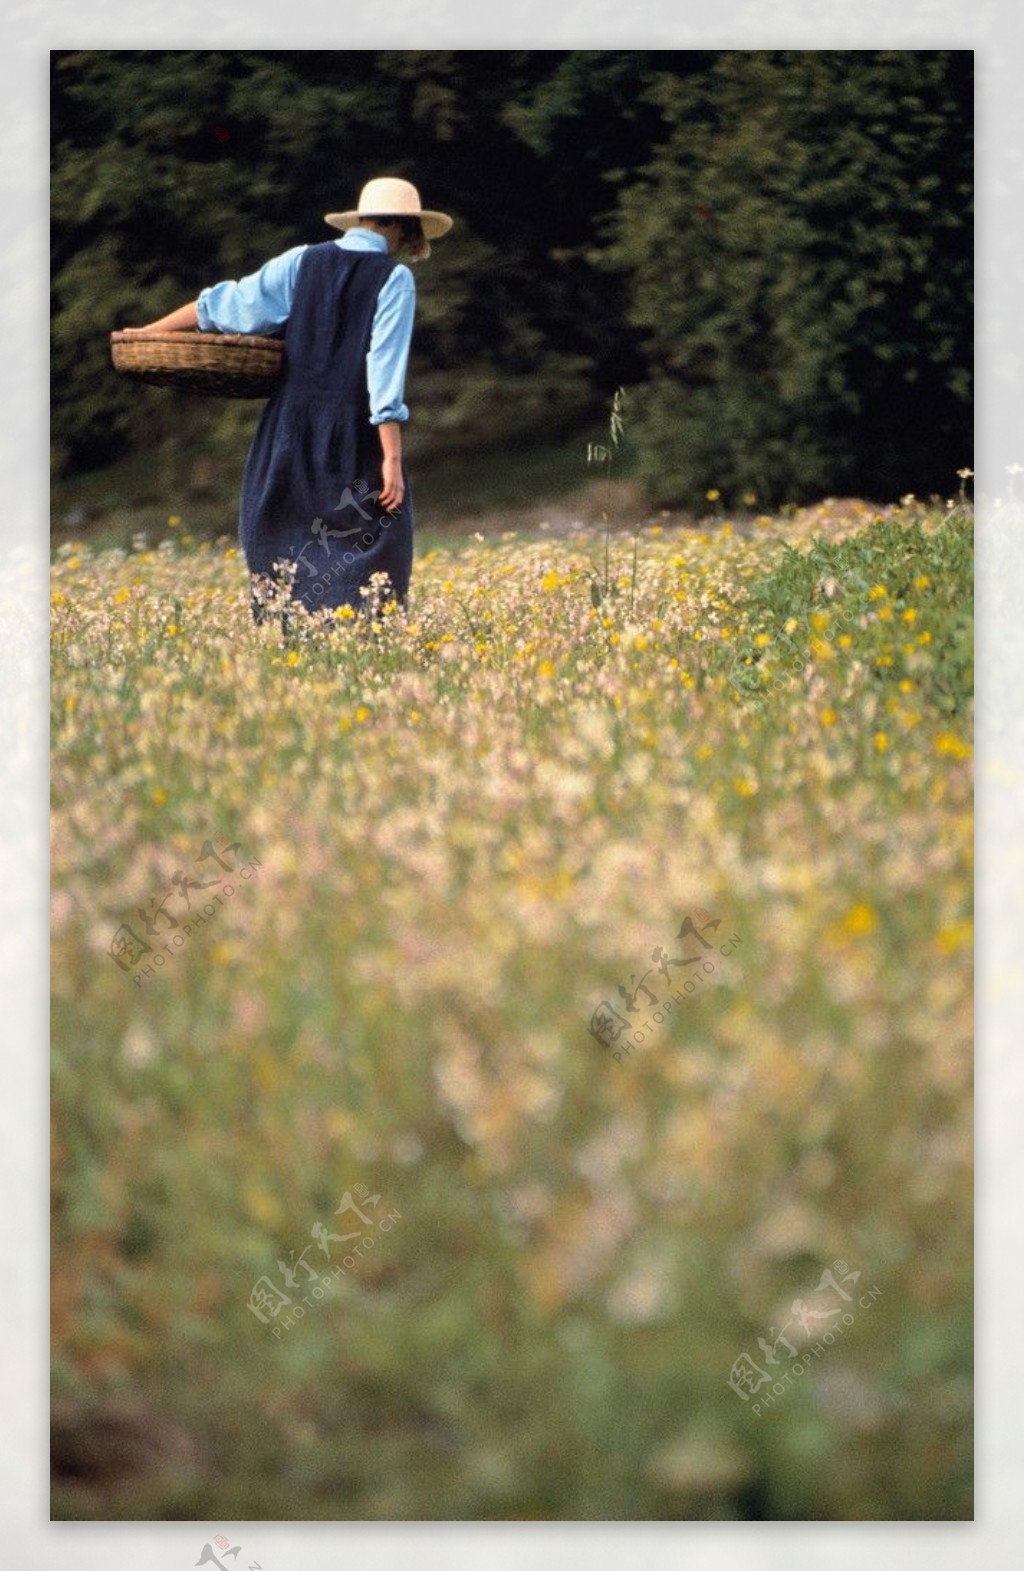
(262, 302)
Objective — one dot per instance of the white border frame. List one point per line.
(27, 1540)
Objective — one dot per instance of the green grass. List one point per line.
(107, 507)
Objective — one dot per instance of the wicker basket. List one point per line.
(227, 365)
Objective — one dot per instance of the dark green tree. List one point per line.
(771, 249)
(798, 251)
(174, 169)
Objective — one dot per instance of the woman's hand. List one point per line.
(393, 488)
(179, 321)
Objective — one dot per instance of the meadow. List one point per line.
(594, 945)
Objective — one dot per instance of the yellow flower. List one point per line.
(261, 1205)
(640, 641)
(923, 582)
(745, 787)
(906, 686)
(791, 625)
(704, 750)
(956, 935)
(159, 795)
(827, 717)
(948, 744)
(362, 714)
(546, 668)
(881, 741)
(712, 496)
(761, 640)
(73, 562)
(877, 592)
(924, 638)
(550, 580)
(859, 921)
(172, 630)
(174, 520)
(910, 615)
(414, 717)
(819, 620)
(727, 531)
(885, 613)
(345, 613)
(57, 598)
(293, 657)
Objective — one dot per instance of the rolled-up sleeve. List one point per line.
(259, 303)
(387, 359)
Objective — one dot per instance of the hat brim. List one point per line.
(434, 224)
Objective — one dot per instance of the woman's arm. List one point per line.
(259, 303)
(178, 321)
(386, 364)
(393, 488)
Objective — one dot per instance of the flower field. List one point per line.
(594, 945)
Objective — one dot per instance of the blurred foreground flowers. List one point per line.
(471, 825)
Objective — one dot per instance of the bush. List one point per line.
(798, 252)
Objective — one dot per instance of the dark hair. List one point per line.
(409, 226)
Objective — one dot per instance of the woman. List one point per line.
(325, 496)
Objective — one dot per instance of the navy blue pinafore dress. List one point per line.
(313, 472)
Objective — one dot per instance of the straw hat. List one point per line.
(390, 198)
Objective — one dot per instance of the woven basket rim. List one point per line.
(241, 340)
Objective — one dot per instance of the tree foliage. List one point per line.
(771, 249)
(799, 255)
